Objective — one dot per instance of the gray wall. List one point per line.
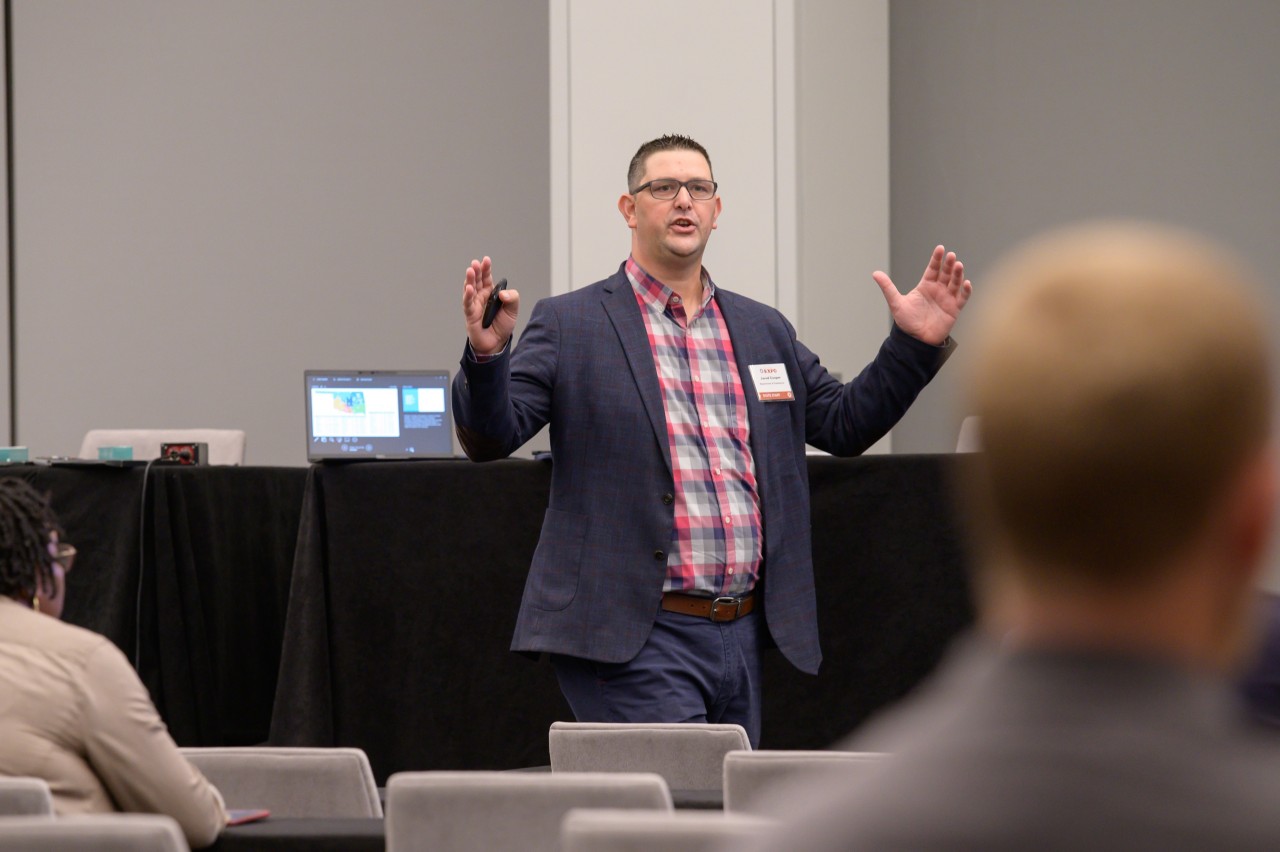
(212, 197)
(842, 145)
(1010, 116)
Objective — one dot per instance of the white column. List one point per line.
(624, 73)
(791, 99)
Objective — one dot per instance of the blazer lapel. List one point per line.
(749, 348)
(620, 304)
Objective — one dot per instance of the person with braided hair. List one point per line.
(72, 709)
(32, 564)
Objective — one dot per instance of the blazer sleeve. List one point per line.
(846, 419)
(130, 749)
(501, 403)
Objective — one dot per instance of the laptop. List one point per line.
(355, 415)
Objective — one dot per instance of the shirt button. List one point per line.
(668, 499)
(716, 471)
(728, 520)
(730, 570)
(658, 554)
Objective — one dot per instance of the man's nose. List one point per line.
(683, 198)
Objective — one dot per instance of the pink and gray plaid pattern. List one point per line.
(715, 546)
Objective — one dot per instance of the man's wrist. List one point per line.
(946, 341)
(485, 357)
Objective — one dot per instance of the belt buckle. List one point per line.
(736, 603)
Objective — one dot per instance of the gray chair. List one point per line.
(602, 830)
(292, 782)
(97, 833)
(226, 446)
(479, 811)
(25, 797)
(751, 778)
(689, 756)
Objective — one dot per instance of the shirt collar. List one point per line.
(659, 295)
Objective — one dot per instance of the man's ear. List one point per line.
(1248, 515)
(627, 207)
(715, 217)
(1255, 515)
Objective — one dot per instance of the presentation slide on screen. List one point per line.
(367, 413)
(423, 400)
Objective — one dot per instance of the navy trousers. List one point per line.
(691, 670)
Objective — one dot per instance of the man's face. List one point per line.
(674, 232)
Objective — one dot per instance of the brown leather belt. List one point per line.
(716, 609)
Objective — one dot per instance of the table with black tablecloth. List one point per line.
(187, 570)
(408, 576)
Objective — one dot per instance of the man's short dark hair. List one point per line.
(669, 142)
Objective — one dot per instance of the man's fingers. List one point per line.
(470, 289)
(887, 286)
(934, 267)
(948, 267)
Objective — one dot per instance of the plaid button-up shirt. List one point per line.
(715, 547)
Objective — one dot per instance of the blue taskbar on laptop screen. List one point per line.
(378, 414)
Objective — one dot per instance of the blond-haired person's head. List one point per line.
(1125, 491)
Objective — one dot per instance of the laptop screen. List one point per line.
(378, 414)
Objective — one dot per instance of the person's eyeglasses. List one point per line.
(64, 555)
(665, 189)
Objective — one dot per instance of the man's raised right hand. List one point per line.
(475, 292)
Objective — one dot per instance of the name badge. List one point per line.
(772, 384)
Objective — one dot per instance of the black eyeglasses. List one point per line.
(64, 555)
(665, 189)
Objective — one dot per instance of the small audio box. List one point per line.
(185, 453)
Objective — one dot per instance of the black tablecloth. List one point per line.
(405, 589)
(408, 576)
(892, 592)
(218, 545)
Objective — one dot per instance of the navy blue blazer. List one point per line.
(584, 365)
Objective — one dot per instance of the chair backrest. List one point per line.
(970, 439)
(25, 797)
(292, 782)
(97, 833)
(688, 756)
(226, 446)
(479, 811)
(607, 830)
(750, 777)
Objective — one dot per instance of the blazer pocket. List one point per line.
(553, 579)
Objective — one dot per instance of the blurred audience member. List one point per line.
(1122, 508)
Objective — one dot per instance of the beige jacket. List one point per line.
(73, 712)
